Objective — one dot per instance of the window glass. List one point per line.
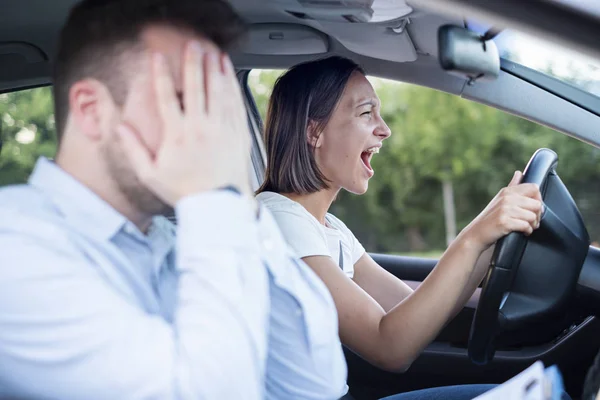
(552, 59)
(27, 132)
(446, 159)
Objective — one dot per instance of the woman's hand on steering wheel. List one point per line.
(516, 208)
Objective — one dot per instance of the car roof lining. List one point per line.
(35, 23)
(39, 29)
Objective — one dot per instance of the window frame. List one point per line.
(258, 153)
(564, 90)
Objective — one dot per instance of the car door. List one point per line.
(435, 174)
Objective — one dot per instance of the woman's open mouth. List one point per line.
(366, 157)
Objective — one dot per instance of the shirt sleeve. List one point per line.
(356, 248)
(66, 333)
(306, 360)
(301, 231)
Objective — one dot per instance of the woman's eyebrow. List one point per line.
(369, 102)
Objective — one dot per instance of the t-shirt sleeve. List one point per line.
(302, 234)
(356, 249)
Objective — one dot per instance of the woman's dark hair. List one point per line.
(307, 93)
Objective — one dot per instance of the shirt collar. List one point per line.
(82, 208)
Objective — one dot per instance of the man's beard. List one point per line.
(120, 170)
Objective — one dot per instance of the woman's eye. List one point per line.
(366, 113)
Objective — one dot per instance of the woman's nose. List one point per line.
(383, 131)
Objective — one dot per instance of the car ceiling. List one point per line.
(29, 30)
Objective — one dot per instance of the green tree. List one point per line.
(437, 138)
(261, 83)
(27, 128)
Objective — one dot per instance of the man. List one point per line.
(98, 300)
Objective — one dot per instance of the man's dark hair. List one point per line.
(308, 92)
(99, 35)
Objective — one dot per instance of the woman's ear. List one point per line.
(313, 135)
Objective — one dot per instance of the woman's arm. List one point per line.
(388, 290)
(481, 267)
(385, 288)
(392, 340)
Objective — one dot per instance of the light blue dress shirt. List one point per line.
(215, 308)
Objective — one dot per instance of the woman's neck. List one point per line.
(317, 203)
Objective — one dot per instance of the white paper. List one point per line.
(528, 385)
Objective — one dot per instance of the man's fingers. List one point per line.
(231, 85)
(139, 155)
(193, 90)
(226, 65)
(213, 81)
(164, 91)
(229, 74)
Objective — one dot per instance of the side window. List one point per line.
(27, 132)
(261, 82)
(446, 159)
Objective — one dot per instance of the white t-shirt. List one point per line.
(307, 237)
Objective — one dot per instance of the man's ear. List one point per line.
(87, 102)
(313, 135)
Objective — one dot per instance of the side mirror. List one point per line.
(466, 54)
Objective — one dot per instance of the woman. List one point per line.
(322, 130)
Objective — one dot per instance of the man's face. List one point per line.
(140, 110)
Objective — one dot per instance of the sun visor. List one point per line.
(23, 64)
(352, 11)
(373, 28)
(381, 41)
(284, 39)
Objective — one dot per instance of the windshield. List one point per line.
(549, 58)
(568, 66)
(587, 6)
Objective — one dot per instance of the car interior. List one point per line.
(510, 322)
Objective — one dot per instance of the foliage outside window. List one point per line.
(27, 132)
(439, 141)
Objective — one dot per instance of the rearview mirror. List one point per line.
(464, 53)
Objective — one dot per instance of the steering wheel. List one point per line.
(530, 279)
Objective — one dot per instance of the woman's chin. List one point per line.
(358, 187)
